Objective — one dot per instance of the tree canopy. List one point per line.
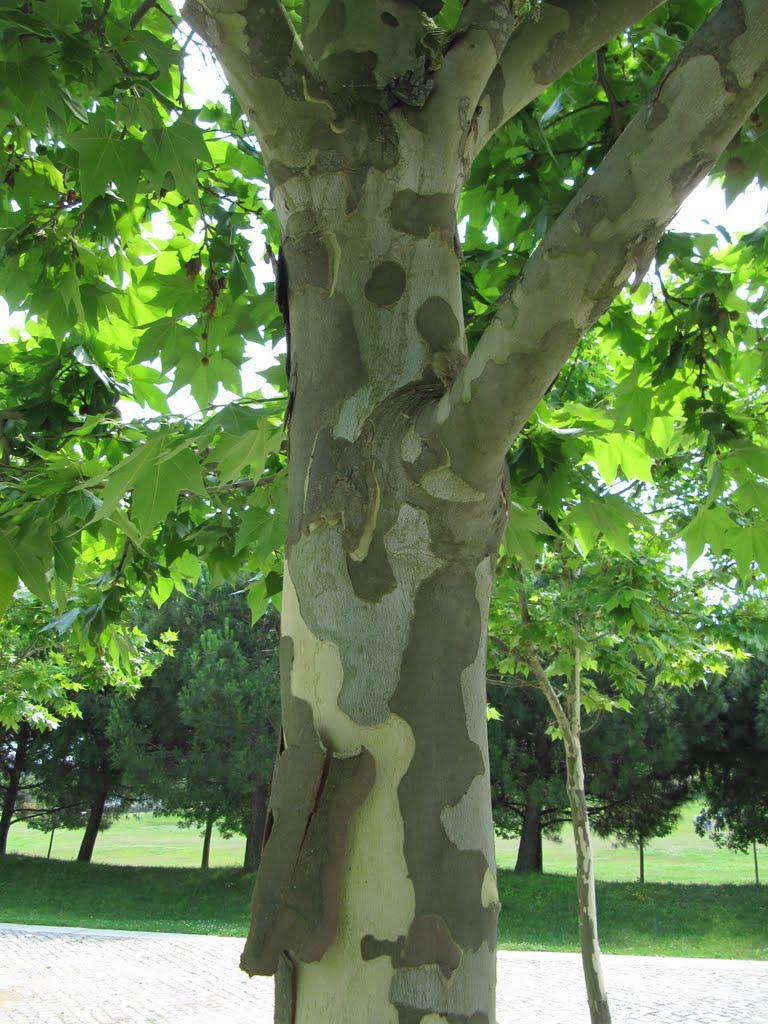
(129, 213)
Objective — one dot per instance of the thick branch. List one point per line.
(541, 51)
(608, 231)
(262, 57)
(482, 32)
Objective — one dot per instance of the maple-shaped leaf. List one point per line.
(107, 157)
(156, 490)
(248, 451)
(155, 475)
(176, 149)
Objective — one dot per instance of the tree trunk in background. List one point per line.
(85, 853)
(258, 820)
(754, 854)
(23, 736)
(206, 858)
(642, 859)
(567, 714)
(529, 852)
(585, 886)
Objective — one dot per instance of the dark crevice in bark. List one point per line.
(256, 827)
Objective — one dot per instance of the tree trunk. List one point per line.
(206, 858)
(591, 957)
(754, 854)
(377, 885)
(569, 721)
(23, 736)
(85, 853)
(529, 852)
(585, 893)
(642, 860)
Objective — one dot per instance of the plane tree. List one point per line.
(375, 131)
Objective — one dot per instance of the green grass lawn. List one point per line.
(680, 857)
(141, 840)
(37, 891)
(704, 913)
(537, 912)
(145, 840)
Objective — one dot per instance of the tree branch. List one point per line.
(608, 232)
(263, 61)
(142, 10)
(482, 32)
(541, 51)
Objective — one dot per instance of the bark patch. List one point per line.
(417, 214)
(495, 96)
(296, 899)
(444, 640)
(386, 284)
(341, 488)
(428, 942)
(437, 324)
(373, 577)
(310, 262)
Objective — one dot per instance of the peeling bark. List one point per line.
(377, 884)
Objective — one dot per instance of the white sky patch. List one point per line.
(705, 208)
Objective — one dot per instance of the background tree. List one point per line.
(20, 750)
(733, 756)
(200, 737)
(572, 624)
(527, 769)
(368, 123)
(641, 766)
(78, 784)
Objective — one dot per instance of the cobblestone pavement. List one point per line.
(78, 976)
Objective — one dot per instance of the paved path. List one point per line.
(78, 976)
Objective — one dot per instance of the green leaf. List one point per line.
(249, 451)
(753, 457)
(609, 517)
(177, 149)
(31, 566)
(261, 531)
(161, 591)
(710, 526)
(621, 450)
(157, 488)
(107, 156)
(524, 533)
(61, 12)
(8, 575)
